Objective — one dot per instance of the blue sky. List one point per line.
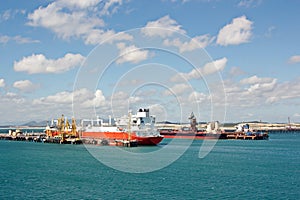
(224, 60)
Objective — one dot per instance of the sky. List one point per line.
(231, 61)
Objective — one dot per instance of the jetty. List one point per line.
(238, 136)
(32, 137)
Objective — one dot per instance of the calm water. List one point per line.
(235, 169)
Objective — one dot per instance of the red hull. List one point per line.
(191, 135)
(142, 140)
(154, 140)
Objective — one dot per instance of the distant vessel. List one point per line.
(289, 126)
(243, 131)
(138, 127)
(212, 131)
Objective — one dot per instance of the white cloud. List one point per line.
(214, 66)
(23, 40)
(2, 83)
(77, 19)
(112, 5)
(120, 95)
(97, 36)
(135, 100)
(56, 104)
(256, 80)
(4, 39)
(97, 100)
(159, 110)
(197, 73)
(10, 14)
(64, 97)
(6, 15)
(195, 43)
(80, 103)
(25, 86)
(247, 99)
(11, 97)
(261, 92)
(256, 93)
(250, 91)
(177, 89)
(285, 91)
(237, 32)
(38, 63)
(162, 27)
(64, 24)
(131, 54)
(83, 97)
(262, 87)
(59, 98)
(18, 39)
(79, 4)
(231, 87)
(249, 3)
(294, 59)
(197, 97)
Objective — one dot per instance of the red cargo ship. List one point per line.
(138, 127)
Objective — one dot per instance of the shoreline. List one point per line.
(254, 126)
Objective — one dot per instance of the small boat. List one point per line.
(138, 127)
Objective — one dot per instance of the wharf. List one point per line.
(237, 136)
(35, 137)
(42, 137)
(39, 137)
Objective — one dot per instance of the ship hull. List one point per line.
(204, 135)
(112, 136)
(149, 141)
(192, 135)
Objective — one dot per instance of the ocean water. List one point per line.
(234, 169)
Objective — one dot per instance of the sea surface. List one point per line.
(234, 169)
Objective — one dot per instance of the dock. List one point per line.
(33, 137)
(237, 136)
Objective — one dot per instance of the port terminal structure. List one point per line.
(61, 131)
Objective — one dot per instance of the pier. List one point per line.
(33, 137)
(237, 136)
